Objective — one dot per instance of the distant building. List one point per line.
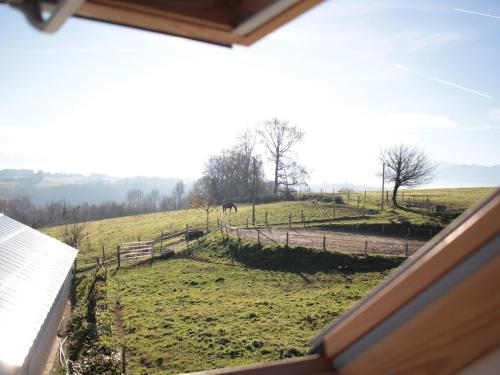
(35, 280)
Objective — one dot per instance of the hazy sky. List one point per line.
(354, 75)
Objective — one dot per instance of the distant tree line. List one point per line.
(60, 212)
(235, 174)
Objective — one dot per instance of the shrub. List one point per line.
(339, 200)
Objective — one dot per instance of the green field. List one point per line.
(109, 233)
(219, 303)
(220, 306)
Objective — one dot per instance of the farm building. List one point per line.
(35, 280)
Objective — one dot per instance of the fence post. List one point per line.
(258, 236)
(187, 235)
(118, 256)
(103, 255)
(406, 250)
(366, 247)
(152, 251)
(348, 197)
(324, 243)
(238, 233)
(302, 218)
(74, 267)
(218, 223)
(267, 225)
(334, 211)
(358, 200)
(161, 240)
(227, 236)
(287, 239)
(289, 221)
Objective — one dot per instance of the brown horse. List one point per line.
(229, 206)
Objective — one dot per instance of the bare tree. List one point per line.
(152, 201)
(201, 196)
(245, 153)
(279, 138)
(231, 173)
(290, 173)
(178, 193)
(167, 203)
(73, 229)
(406, 166)
(135, 200)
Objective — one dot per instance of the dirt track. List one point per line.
(344, 241)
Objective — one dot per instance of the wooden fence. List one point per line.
(328, 240)
(299, 219)
(142, 250)
(422, 202)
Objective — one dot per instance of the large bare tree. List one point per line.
(406, 166)
(279, 138)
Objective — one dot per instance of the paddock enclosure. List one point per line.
(35, 280)
(438, 314)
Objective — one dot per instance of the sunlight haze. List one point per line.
(355, 76)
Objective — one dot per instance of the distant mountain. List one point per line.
(463, 175)
(42, 187)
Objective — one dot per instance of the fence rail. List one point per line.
(428, 203)
(333, 241)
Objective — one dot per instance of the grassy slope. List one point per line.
(456, 197)
(109, 233)
(232, 307)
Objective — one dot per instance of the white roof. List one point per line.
(33, 267)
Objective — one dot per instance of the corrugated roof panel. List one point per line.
(33, 267)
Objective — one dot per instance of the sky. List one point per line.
(355, 76)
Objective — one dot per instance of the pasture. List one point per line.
(219, 302)
(221, 306)
(109, 233)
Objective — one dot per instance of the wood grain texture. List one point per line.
(454, 331)
(311, 364)
(444, 254)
